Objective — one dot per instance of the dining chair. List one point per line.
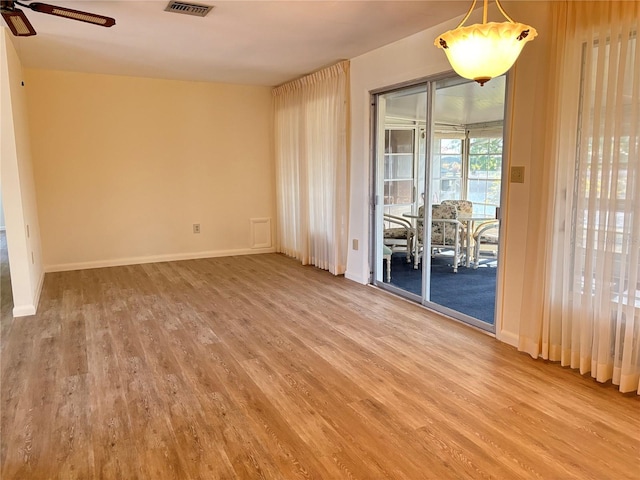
(398, 235)
(464, 207)
(386, 256)
(446, 234)
(486, 234)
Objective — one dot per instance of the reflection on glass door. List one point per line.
(400, 183)
(465, 189)
(438, 183)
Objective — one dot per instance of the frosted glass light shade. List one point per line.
(481, 52)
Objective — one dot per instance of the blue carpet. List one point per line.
(470, 291)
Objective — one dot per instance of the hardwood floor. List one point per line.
(256, 367)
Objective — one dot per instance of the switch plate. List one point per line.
(517, 174)
(196, 228)
(354, 244)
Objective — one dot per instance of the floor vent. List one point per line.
(188, 8)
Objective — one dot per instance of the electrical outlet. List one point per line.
(196, 228)
(517, 174)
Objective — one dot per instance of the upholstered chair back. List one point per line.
(464, 207)
(443, 233)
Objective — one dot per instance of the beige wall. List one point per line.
(125, 166)
(414, 58)
(18, 190)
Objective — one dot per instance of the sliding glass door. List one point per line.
(437, 188)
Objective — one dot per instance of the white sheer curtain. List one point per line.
(589, 283)
(311, 131)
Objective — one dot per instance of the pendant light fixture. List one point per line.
(481, 52)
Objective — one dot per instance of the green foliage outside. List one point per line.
(485, 155)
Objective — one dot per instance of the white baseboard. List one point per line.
(508, 337)
(24, 310)
(28, 310)
(356, 278)
(65, 267)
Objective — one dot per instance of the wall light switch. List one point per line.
(517, 174)
(354, 244)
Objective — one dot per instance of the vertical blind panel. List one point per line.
(591, 314)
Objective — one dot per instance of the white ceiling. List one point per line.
(246, 42)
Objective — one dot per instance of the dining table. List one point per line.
(469, 222)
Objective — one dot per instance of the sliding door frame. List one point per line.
(377, 263)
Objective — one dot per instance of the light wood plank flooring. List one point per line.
(257, 367)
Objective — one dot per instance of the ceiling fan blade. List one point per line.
(18, 23)
(72, 14)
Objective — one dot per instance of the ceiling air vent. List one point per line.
(188, 8)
